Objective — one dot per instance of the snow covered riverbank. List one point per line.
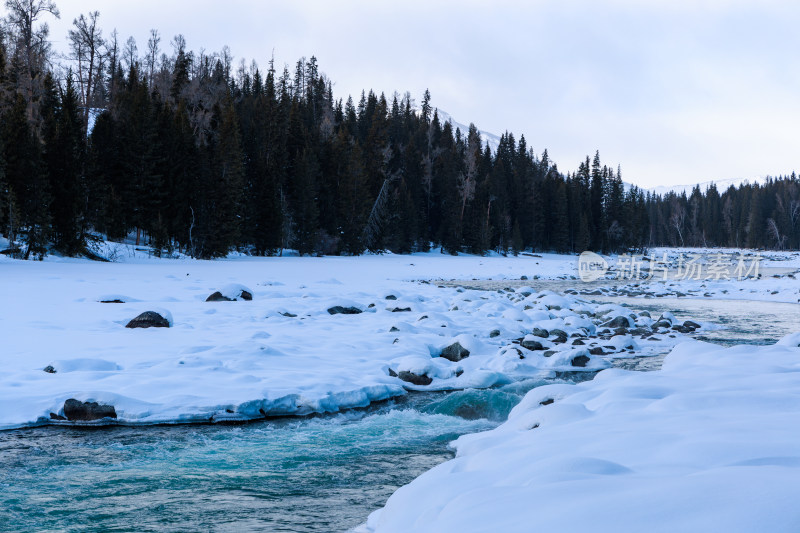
(709, 443)
(283, 352)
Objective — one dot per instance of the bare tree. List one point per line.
(152, 54)
(86, 41)
(31, 47)
(678, 219)
(131, 52)
(774, 232)
(467, 180)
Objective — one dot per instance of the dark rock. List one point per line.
(148, 319)
(49, 369)
(618, 322)
(560, 335)
(459, 372)
(540, 332)
(547, 401)
(423, 317)
(645, 313)
(523, 278)
(339, 310)
(392, 373)
(691, 324)
(401, 310)
(494, 333)
(620, 331)
(596, 351)
(289, 315)
(661, 324)
(549, 353)
(416, 379)
(218, 297)
(114, 301)
(393, 329)
(391, 297)
(76, 410)
(455, 352)
(580, 361)
(578, 342)
(54, 416)
(532, 345)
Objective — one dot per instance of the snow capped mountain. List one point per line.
(490, 138)
(722, 185)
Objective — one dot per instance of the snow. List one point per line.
(281, 353)
(708, 443)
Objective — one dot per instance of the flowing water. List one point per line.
(324, 473)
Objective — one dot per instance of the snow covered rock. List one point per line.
(75, 410)
(455, 352)
(414, 379)
(340, 310)
(618, 322)
(231, 293)
(149, 319)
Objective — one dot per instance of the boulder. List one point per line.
(340, 310)
(661, 324)
(596, 351)
(618, 322)
(76, 410)
(401, 310)
(691, 324)
(391, 297)
(149, 319)
(219, 297)
(532, 345)
(540, 332)
(455, 352)
(415, 379)
(494, 333)
(49, 369)
(580, 361)
(578, 342)
(560, 335)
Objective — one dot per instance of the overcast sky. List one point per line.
(674, 91)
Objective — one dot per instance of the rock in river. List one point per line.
(76, 410)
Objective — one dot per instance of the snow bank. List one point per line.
(709, 443)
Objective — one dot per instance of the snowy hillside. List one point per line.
(487, 137)
(722, 185)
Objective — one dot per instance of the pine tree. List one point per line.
(64, 157)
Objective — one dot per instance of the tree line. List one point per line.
(187, 151)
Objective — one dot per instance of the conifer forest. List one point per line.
(199, 153)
